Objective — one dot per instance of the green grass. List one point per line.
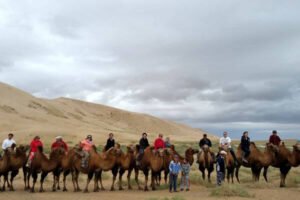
(230, 191)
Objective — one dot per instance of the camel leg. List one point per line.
(90, 176)
(166, 176)
(12, 176)
(232, 172)
(153, 177)
(74, 180)
(43, 176)
(58, 177)
(34, 177)
(208, 175)
(128, 179)
(100, 180)
(96, 186)
(146, 173)
(25, 172)
(284, 170)
(54, 183)
(136, 178)
(5, 179)
(121, 172)
(265, 173)
(64, 180)
(115, 173)
(237, 173)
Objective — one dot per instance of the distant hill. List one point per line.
(27, 116)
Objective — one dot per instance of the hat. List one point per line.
(223, 152)
(89, 136)
(58, 137)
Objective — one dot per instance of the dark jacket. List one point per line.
(245, 143)
(205, 141)
(275, 139)
(144, 143)
(109, 143)
(220, 164)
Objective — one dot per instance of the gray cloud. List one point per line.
(204, 63)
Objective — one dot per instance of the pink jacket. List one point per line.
(86, 145)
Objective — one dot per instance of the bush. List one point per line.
(230, 191)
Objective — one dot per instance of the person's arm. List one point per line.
(53, 145)
(209, 143)
(147, 143)
(163, 144)
(65, 146)
(155, 144)
(4, 145)
(201, 143)
(171, 167)
(220, 142)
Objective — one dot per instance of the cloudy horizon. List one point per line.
(212, 65)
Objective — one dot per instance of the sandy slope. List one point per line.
(26, 116)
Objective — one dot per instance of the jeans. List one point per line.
(173, 182)
(220, 177)
(85, 159)
(185, 181)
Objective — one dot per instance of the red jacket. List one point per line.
(34, 145)
(159, 143)
(58, 144)
(275, 139)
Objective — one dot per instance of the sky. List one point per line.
(215, 65)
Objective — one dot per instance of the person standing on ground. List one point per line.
(220, 167)
(185, 171)
(174, 168)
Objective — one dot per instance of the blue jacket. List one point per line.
(174, 167)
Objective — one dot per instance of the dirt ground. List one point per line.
(197, 192)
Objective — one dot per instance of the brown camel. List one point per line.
(4, 164)
(229, 163)
(285, 159)
(66, 167)
(40, 163)
(17, 160)
(152, 160)
(256, 160)
(97, 162)
(126, 162)
(206, 161)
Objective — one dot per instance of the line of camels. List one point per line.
(119, 162)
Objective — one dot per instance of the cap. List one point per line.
(223, 152)
(58, 137)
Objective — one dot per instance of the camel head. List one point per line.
(296, 147)
(271, 147)
(22, 148)
(130, 149)
(57, 153)
(205, 148)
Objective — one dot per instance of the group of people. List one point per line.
(175, 166)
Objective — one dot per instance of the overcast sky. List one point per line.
(215, 65)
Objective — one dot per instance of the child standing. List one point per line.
(174, 168)
(185, 171)
(221, 167)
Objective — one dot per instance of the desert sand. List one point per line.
(27, 116)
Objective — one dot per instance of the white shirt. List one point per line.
(7, 143)
(225, 141)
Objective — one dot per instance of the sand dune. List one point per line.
(26, 116)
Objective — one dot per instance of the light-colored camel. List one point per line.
(206, 162)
